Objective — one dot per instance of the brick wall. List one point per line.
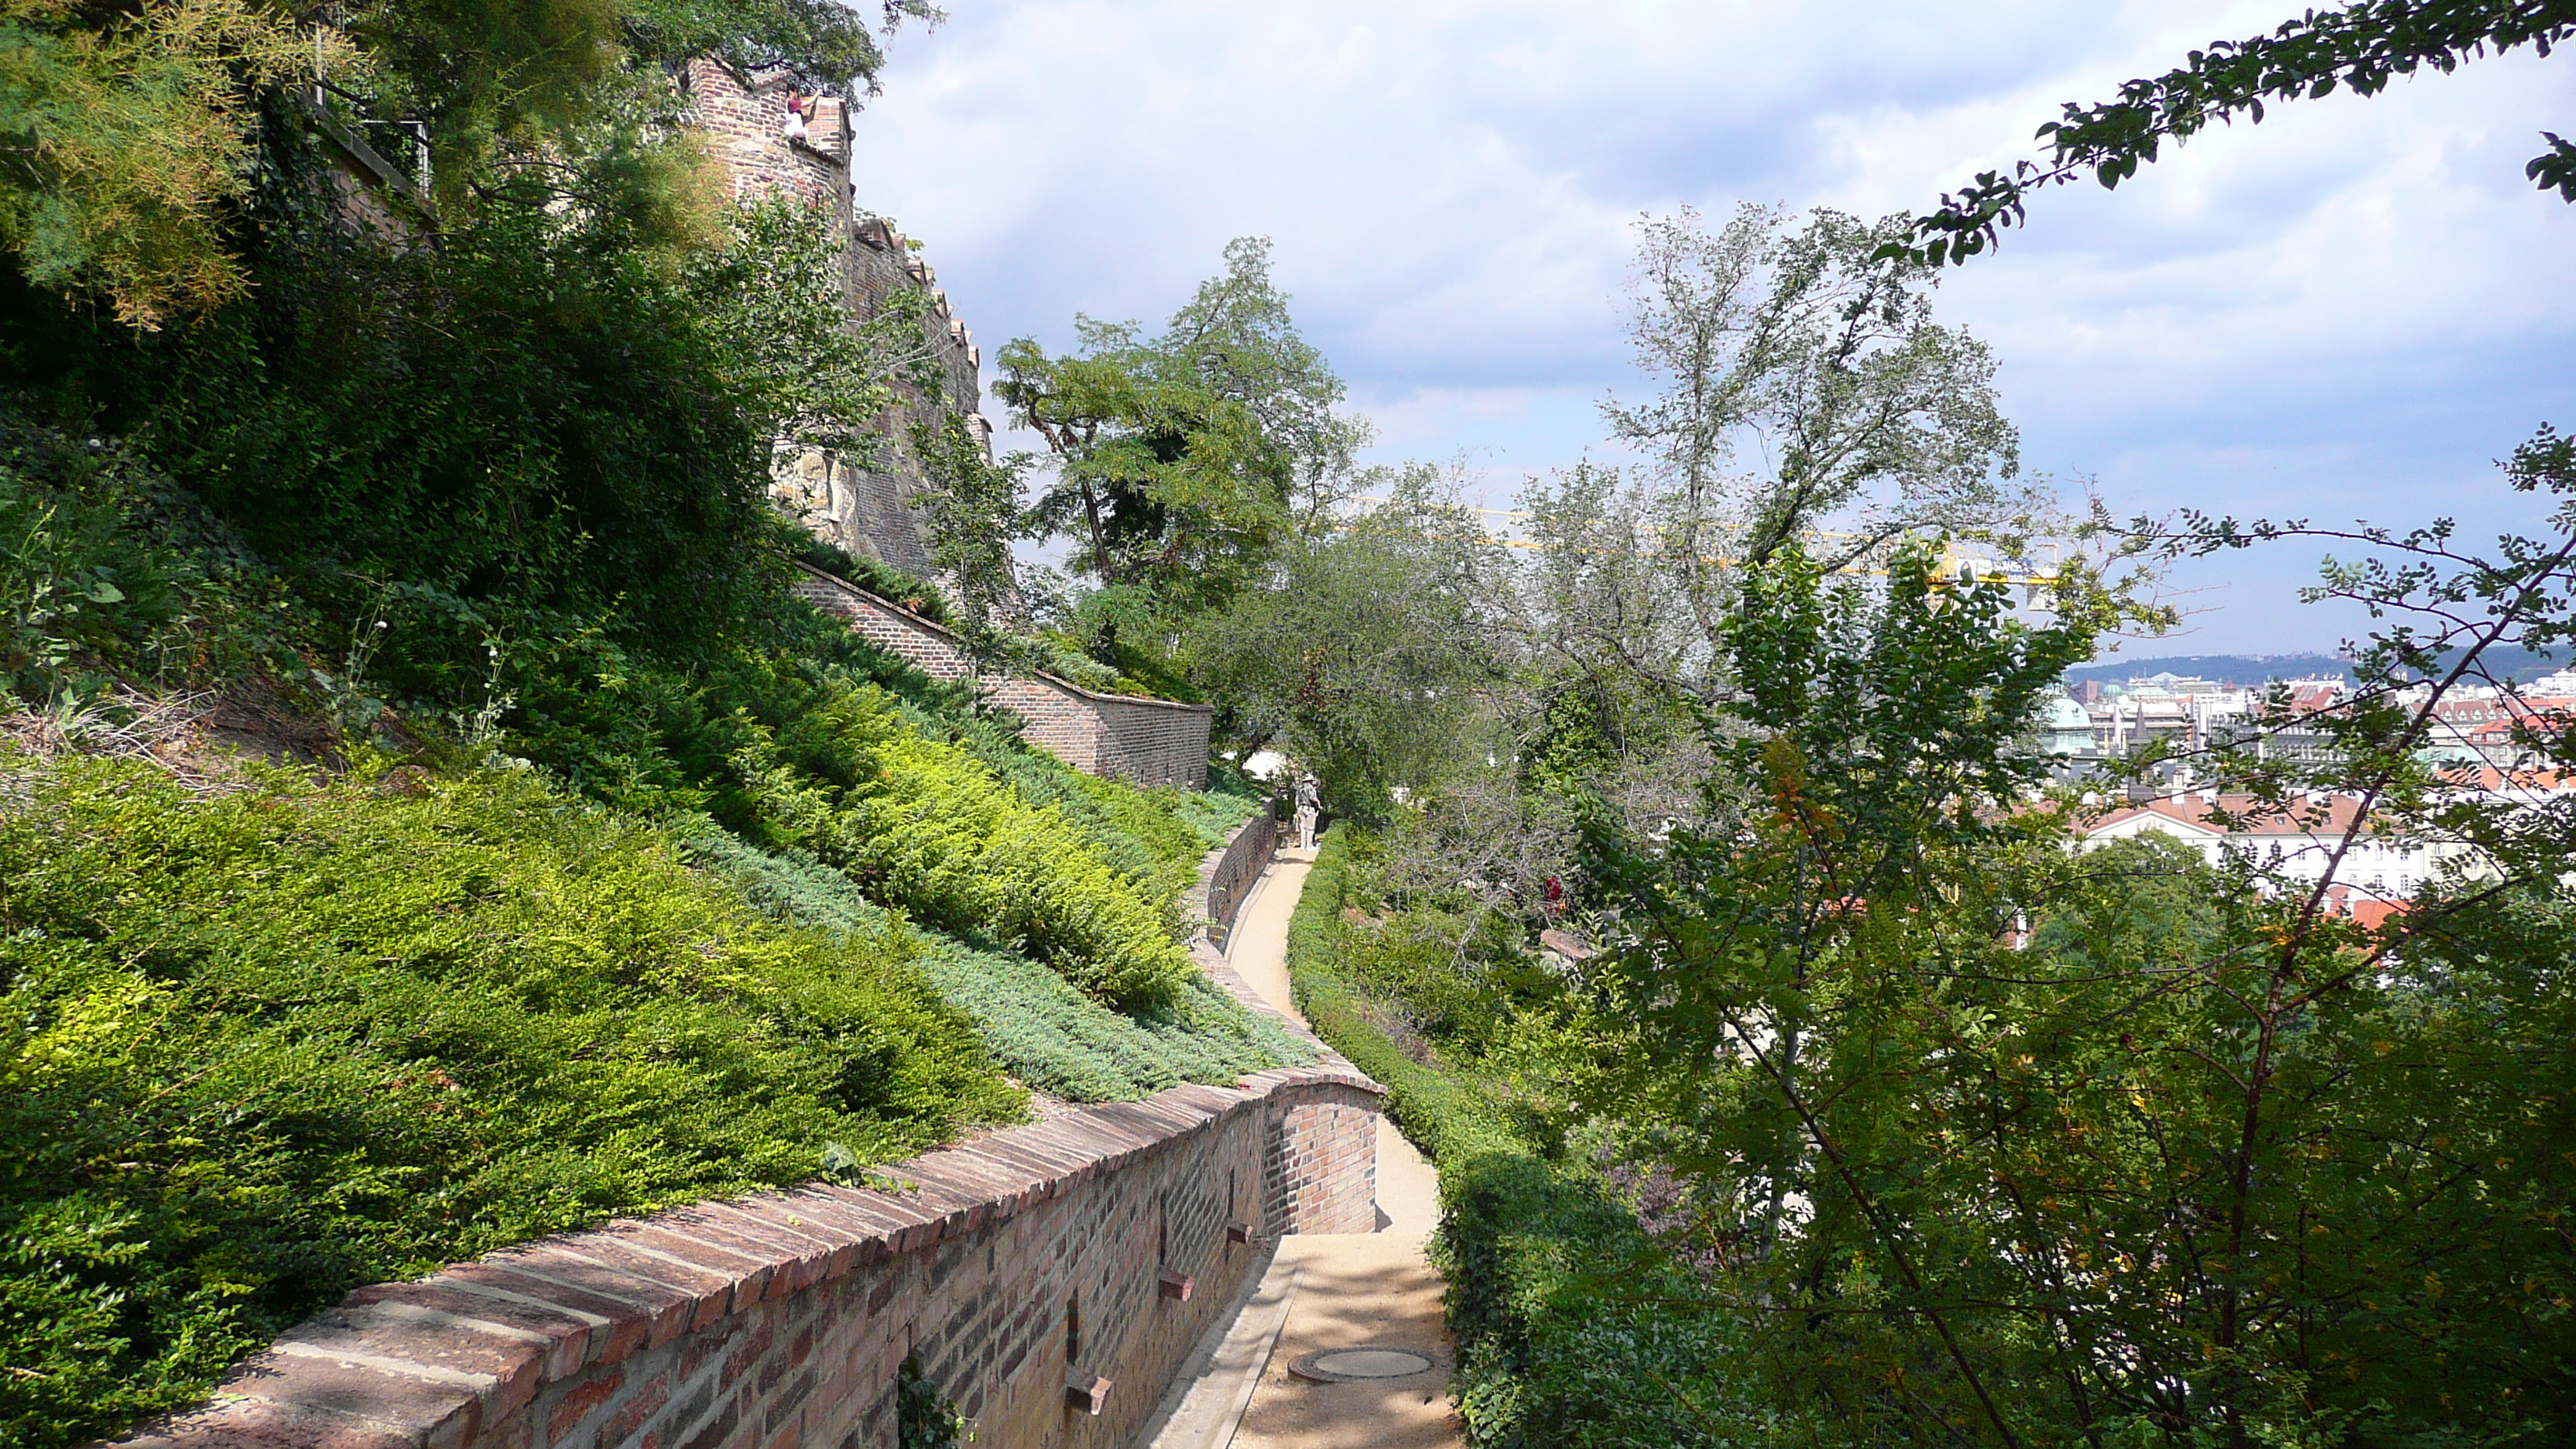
(780, 1321)
(1148, 741)
(1228, 874)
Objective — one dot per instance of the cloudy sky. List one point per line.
(2347, 312)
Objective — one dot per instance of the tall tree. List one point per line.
(1364, 654)
(1179, 458)
(125, 137)
(1804, 377)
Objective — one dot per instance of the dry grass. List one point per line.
(199, 738)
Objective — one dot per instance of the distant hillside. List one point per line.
(2247, 670)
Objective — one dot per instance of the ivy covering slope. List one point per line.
(272, 1043)
(1033, 1022)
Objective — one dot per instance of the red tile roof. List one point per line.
(2332, 816)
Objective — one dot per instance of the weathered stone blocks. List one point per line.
(866, 510)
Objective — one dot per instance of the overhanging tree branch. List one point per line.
(2360, 48)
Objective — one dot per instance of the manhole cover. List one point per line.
(1346, 1365)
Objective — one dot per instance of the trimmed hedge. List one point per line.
(1448, 1119)
(1575, 1331)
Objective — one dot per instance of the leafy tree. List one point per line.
(2360, 48)
(1179, 458)
(1991, 1141)
(131, 137)
(1815, 351)
(1804, 385)
(1362, 656)
(974, 510)
(823, 44)
(123, 138)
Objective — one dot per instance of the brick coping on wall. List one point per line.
(439, 1360)
(957, 642)
(1224, 869)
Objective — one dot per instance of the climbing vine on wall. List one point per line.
(925, 1418)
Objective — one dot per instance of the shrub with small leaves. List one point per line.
(259, 1049)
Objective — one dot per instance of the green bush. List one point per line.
(262, 1048)
(874, 575)
(1060, 1042)
(1035, 1024)
(543, 418)
(106, 568)
(926, 826)
(1161, 832)
(1450, 1119)
(1574, 1329)
(1050, 653)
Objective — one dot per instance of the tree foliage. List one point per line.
(131, 136)
(823, 44)
(126, 137)
(1990, 1140)
(1363, 655)
(2360, 48)
(1179, 458)
(973, 508)
(1816, 352)
(536, 429)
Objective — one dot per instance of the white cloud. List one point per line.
(2358, 303)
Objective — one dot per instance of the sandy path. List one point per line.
(1350, 1290)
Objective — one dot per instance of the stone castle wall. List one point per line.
(864, 509)
(745, 129)
(1147, 741)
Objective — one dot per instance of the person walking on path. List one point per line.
(1309, 804)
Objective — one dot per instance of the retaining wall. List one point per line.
(1228, 874)
(1017, 1269)
(1148, 741)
